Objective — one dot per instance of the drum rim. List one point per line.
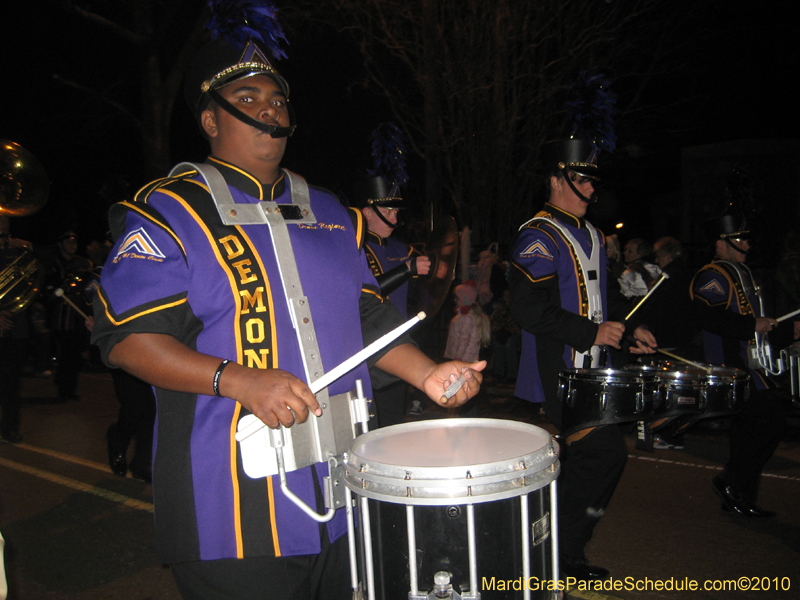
(493, 480)
(608, 375)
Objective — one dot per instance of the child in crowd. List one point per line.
(470, 329)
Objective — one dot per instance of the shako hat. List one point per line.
(241, 31)
(218, 63)
(733, 222)
(574, 154)
(377, 191)
(388, 174)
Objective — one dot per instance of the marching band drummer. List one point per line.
(558, 297)
(727, 308)
(198, 309)
(392, 262)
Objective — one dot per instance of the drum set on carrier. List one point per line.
(449, 508)
(655, 394)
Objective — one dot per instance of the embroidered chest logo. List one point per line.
(536, 249)
(713, 287)
(139, 244)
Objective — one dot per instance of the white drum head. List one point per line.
(441, 461)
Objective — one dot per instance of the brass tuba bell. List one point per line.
(20, 282)
(24, 188)
(24, 185)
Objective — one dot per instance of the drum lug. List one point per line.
(604, 400)
(639, 402)
(703, 399)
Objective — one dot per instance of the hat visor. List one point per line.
(250, 71)
(736, 236)
(584, 169)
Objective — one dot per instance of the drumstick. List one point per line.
(343, 368)
(647, 295)
(453, 388)
(686, 360)
(60, 293)
(603, 358)
(788, 315)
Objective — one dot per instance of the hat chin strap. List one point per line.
(567, 178)
(735, 247)
(274, 130)
(384, 219)
(386, 222)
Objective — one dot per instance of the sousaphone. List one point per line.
(24, 188)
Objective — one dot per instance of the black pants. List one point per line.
(755, 433)
(13, 353)
(137, 415)
(71, 344)
(323, 576)
(590, 470)
(390, 404)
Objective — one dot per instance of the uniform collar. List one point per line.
(375, 238)
(565, 216)
(244, 181)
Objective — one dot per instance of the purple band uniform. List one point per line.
(385, 254)
(218, 290)
(718, 286)
(548, 276)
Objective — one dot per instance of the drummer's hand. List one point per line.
(442, 375)
(422, 265)
(765, 325)
(269, 394)
(645, 341)
(609, 334)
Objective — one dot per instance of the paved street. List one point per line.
(76, 531)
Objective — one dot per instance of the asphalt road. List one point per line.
(74, 530)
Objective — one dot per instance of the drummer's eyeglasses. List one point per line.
(580, 180)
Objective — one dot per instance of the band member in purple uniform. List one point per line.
(200, 310)
(729, 308)
(558, 298)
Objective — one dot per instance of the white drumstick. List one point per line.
(646, 296)
(60, 293)
(344, 368)
(788, 316)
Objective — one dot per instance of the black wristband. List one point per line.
(218, 374)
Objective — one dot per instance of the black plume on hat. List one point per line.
(591, 110)
(388, 175)
(241, 30)
(738, 210)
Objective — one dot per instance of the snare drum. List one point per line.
(680, 390)
(592, 397)
(463, 502)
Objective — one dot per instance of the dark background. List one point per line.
(736, 86)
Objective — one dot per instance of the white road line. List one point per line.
(66, 457)
(711, 467)
(78, 485)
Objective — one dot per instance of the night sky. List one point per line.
(738, 85)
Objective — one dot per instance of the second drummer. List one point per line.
(558, 297)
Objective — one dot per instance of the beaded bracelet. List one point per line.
(217, 375)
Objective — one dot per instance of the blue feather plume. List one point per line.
(237, 21)
(592, 109)
(389, 154)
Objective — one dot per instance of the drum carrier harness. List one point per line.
(322, 439)
(592, 303)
